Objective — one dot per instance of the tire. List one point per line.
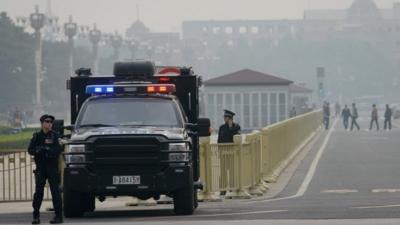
(195, 199)
(73, 206)
(90, 203)
(184, 198)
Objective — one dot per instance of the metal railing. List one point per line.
(242, 168)
(17, 180)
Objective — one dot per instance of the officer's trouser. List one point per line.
(53, 177)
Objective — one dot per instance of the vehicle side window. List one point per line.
(183, 114)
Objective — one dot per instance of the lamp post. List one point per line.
(70, 30)
(320, 80)
(150, 52)
(37, 21)
(133, 48)
(116, 43)
(95, 37)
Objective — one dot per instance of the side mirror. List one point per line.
(58, 127)
(204, 127)
(191, 126)
(69, 127)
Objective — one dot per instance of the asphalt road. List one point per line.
(346, 178)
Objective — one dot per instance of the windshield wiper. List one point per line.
(96, 125)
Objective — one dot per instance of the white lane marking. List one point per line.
(376, 207)
(339, 191)
(385, 190)
(240, 213)
(311, 171)
(374, 138)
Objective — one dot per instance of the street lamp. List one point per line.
(150, 52)
(116, 43)
(37, 21)
(133, 47)
(95, 37)
(70, 30)
(320, 80)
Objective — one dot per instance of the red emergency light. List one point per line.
(161, 88)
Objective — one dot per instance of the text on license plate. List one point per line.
(121, 180)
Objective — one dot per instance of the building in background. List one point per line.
(363, 19)
(258, 99)
(301, 98)
(356, 40)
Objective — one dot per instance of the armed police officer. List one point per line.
(229, 129)
(45, 148)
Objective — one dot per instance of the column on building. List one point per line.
(254, 110)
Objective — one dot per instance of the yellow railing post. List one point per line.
(239, 191)
(257, 186)
(209, 172)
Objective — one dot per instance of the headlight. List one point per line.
(176, 155)
(178, 147)
(75, 159)
(75, 148)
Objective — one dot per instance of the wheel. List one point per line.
(196, 201)
(73, 206)
(184, 198)
(90, 202)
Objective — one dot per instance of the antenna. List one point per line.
(138, 12)
(48, 10)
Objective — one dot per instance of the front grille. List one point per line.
(123, 151)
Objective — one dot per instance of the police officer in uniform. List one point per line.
(45, 148)
(229, 129)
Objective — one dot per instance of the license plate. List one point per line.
(124, 180)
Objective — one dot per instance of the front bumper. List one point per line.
(101, 182)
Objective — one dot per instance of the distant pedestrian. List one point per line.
(354, 116)
(388, 118)
(346, 114)
(337, 109)
(293, 112)
(229, 129)
(327, 114)
(374, 118)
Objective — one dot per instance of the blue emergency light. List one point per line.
(99, 89)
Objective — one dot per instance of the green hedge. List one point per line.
(16, 141)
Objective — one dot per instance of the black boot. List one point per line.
(56, 220)
(36, 220)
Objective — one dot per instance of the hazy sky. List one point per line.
(166, 15)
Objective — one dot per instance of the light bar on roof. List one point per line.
(131, 88)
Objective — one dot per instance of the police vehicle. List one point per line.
(135, 133)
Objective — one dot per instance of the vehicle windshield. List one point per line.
(130, 112)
